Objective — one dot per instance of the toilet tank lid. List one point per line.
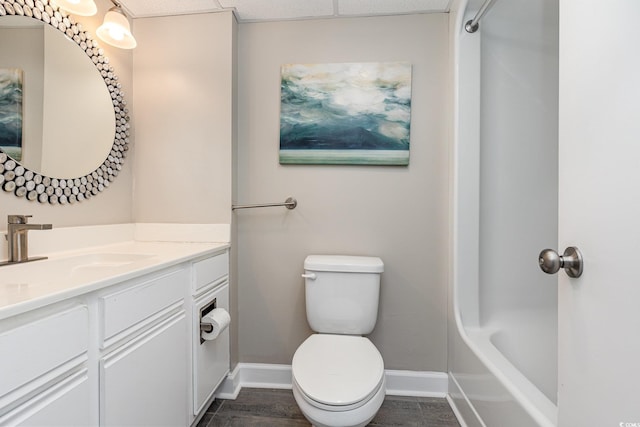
(344, 263)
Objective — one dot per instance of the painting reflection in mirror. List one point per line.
(11, 112)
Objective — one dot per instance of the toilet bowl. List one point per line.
(338, 380)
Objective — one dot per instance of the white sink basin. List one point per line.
(66, 268)
(104, 259)
(98, 260)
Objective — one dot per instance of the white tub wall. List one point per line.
(519, 170)
(397, 213)
(474, 389)
(519, 183)
(112, 206)
(465, 193)
(476, 394)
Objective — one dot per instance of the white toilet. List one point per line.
(338, 375)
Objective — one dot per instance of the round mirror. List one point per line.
(64, 127)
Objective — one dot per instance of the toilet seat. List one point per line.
(338, 408)
(337, 372)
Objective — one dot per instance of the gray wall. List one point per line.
(112, 206)
(397, 213)
(183, 120)
(184, 79)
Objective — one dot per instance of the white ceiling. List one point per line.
(275, 10)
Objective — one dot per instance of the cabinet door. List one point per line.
(64, 404)
(144, 383)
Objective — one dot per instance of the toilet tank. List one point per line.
(342, 293)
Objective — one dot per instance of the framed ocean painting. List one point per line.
(11, 112)
(346, 113)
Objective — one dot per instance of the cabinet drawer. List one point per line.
(131, 306)
(210, 269)
(36, 348)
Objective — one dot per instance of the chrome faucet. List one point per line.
(17, 229)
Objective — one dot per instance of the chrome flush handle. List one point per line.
(571, 260)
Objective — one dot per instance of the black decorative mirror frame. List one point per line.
(25, 183)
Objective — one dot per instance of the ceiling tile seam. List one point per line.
(181, 13)
(320, 17)
(335, 12)
(390, 14)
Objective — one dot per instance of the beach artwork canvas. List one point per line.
(348, 113)
(11, 112)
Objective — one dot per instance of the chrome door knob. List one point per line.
(549, 261)
(571, 260)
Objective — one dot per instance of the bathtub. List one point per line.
(503, 311)
(513, 390)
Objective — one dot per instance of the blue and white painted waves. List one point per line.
(351, 113)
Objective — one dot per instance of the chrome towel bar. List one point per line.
(290, 203)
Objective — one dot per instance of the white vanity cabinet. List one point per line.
(144, 347)
(126, 353)
(44, 368)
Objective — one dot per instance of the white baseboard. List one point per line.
(399, 383)
(417, 383)
(254, 375)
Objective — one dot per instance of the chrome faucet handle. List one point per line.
(18, 219)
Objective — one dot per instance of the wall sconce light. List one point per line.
(116, 30)
(78, 7)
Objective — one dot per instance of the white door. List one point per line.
(599, 211)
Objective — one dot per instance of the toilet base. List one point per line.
(358, 417)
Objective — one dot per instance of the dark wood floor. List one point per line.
(277, 408)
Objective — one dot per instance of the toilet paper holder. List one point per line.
(204, 326)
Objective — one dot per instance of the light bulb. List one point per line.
(116, 33)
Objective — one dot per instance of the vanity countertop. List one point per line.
(64, 275)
